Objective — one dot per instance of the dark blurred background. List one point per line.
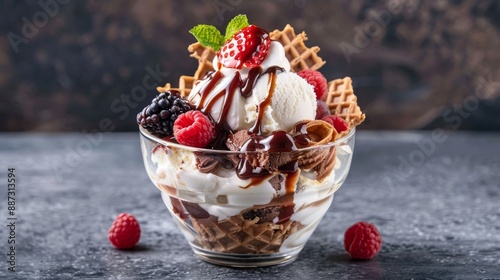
(70, 65)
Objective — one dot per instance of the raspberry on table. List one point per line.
(158, 117)
(125, 232)
(338, 123)
(362, 241)
(317, 80)
(194, 129)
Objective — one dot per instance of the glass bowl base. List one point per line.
(245, 260)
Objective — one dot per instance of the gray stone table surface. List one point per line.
(436, 202)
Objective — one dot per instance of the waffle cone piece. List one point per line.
(240, 236)
(299, 55)
(342, 102)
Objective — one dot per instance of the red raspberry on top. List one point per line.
(194, 129)
(362, 241)
(317, 80)
(337, 122)
(247, 48)
(124, 233)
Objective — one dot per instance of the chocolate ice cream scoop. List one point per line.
(262, 155)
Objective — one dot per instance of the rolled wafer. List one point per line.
(321, 160)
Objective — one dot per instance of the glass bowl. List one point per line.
(247, 209)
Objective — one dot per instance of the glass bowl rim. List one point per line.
(158, 140)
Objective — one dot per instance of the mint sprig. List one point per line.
(235, 25)
(210, 36)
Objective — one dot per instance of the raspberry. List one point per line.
(322, 109)
(194, 129)
(247, 48)
(317, 80)
(158, 117)
(362, 241)
(124, 233)
(337, 122)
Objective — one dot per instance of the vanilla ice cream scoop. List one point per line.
(292, 100)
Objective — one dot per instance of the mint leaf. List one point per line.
(235, 25)
(208, 36)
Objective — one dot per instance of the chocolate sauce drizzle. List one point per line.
(300, 135)
(276, 142)
(207, 100)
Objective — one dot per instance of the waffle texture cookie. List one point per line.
(342, 102)
(241, 236)
(299, 55)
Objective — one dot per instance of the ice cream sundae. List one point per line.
(249, 151)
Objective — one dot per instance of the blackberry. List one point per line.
(159, 116)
